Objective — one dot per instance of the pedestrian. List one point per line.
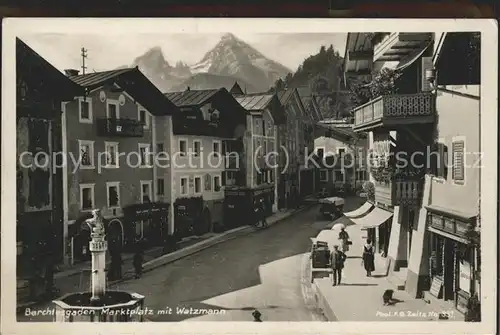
(344, 239)
(337, 259)
(263, 213)
(369, 257)
(137, 261)
(256, 316)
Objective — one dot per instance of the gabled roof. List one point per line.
(94, 79)
(135, 83)
(236, 89)
(257, 102)
(31, 66)
(285, 95)
(190, 98)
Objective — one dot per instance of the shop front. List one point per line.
(188, 217)
(453, 265)
(144, 221)
(240, 202)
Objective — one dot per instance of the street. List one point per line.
(265, 270)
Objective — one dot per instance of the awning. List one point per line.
(373, 219)
(448, 235)
(360, 211)
(329, 236)
(412, 58)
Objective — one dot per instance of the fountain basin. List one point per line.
(113, 306)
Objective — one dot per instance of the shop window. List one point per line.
(160, 186)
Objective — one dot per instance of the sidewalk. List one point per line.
(359, 298)
(78, 279)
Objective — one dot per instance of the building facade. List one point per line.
(434, 240)
(109, 137)
(207, 122)
(258, 149)
(40, 89)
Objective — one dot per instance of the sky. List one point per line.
(109, 52)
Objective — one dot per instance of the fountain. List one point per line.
(99, 304)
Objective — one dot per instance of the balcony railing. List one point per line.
(399, 193)
(396, 109)
(120, 127)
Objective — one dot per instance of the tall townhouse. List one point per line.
(109, 138)
(258, 148)
(209, 120)
(40, 89)
(291, 142)
(434, 248)
(344, 166)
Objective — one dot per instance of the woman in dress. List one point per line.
(344, 239)
(369, 257)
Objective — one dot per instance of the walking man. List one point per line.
(337, 259)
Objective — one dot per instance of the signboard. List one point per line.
(436, 287)
(465, 276)
(98, 245)
(449, 225)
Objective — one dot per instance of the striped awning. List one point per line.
(361, 211)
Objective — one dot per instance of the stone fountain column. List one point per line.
(99, 304)
(98, 247)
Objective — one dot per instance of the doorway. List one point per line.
(449, 270)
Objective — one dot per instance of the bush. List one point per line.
(369, 189)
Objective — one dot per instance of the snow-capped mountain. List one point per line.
(229, 61)
(233, 57)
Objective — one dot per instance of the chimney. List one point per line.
(71, 72)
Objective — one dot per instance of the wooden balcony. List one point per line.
(399, 193)
(120, 128)
(395, 110)
(397, 46)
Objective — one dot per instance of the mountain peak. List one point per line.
(153, 55)
(229, 37)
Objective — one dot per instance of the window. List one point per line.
(458, 153)
(230, 178)
(320, 152)
(146, 195)
(85, 110)
(144, 153)
(143, 117)
(159, 148)
(86, 197)
(160, 186)
(339, 175)
(217, 184)
(208, 183)
(323, 175)
(197, 148)
(184, 186)
(361, 175)
(183, 147)
(216, 148)
(112, 109)
(197, 185)
(439, 160)
(341, 151)
(112, 156)
(86, 149)
(113, 194)
(263, 127)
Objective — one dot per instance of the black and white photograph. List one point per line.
(249, 170)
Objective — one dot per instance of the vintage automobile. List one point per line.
(331, 207)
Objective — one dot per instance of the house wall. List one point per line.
(206, 164)
(128, 175)
(458, 116)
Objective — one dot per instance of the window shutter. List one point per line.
(223, 181)
(425, 65)
(458, 160)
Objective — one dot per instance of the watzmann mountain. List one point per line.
(230, 60)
